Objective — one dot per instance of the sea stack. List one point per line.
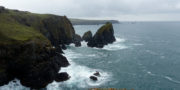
(104, 36)
(87, 36)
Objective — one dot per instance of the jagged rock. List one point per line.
(34, 65)
(87, 36)
(103, 36)
(4, 78)
(96, 73)
(59, 49)
(63, 47)
(93, 78)
(77, 40)
(60, 30)
(63, 76)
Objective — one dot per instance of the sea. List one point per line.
(145, 56)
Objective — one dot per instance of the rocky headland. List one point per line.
(30, 47)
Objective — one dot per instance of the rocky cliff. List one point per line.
(26, 47)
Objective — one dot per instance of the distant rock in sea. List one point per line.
(87, 36)
(104, 36)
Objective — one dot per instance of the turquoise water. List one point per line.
(146, 56)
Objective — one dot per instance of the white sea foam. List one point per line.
(138, 44)
(150, 73)
(117, 45)
(83, 44)
(14, 85)
(79, 74)
(162, 76)
(171, 79)
(119, 40)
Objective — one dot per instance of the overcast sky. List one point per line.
(123, 10)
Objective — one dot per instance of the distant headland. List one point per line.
(91, 22)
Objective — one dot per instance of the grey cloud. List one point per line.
(129, 9)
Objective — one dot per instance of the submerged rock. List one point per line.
(96, 73)
(87, 36)
(103, 36)
(62, 77)
(93, 78)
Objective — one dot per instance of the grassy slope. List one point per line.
(13, 32)
(105, 27)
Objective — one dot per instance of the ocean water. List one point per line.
(145, 56)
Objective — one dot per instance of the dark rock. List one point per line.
(58, 30)
(77, 44)
(62, 77)
(96, 73)
(93, 78)
(32, 64)
(4, 77)
(58, 49)
(87, 36)
(77, 40)
(2, 9)
(103, 36)
(63, 47)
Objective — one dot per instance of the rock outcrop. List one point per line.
(77, 40)
(97, 74)
(93, 78)
(27, 49)
(103, 36)
(62, 77)
(87, 36)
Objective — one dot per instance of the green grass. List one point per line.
(13, 32)
(105, 27)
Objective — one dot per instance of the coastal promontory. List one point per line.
(30, 47)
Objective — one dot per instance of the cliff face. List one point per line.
(103, 36)
(26, 47)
